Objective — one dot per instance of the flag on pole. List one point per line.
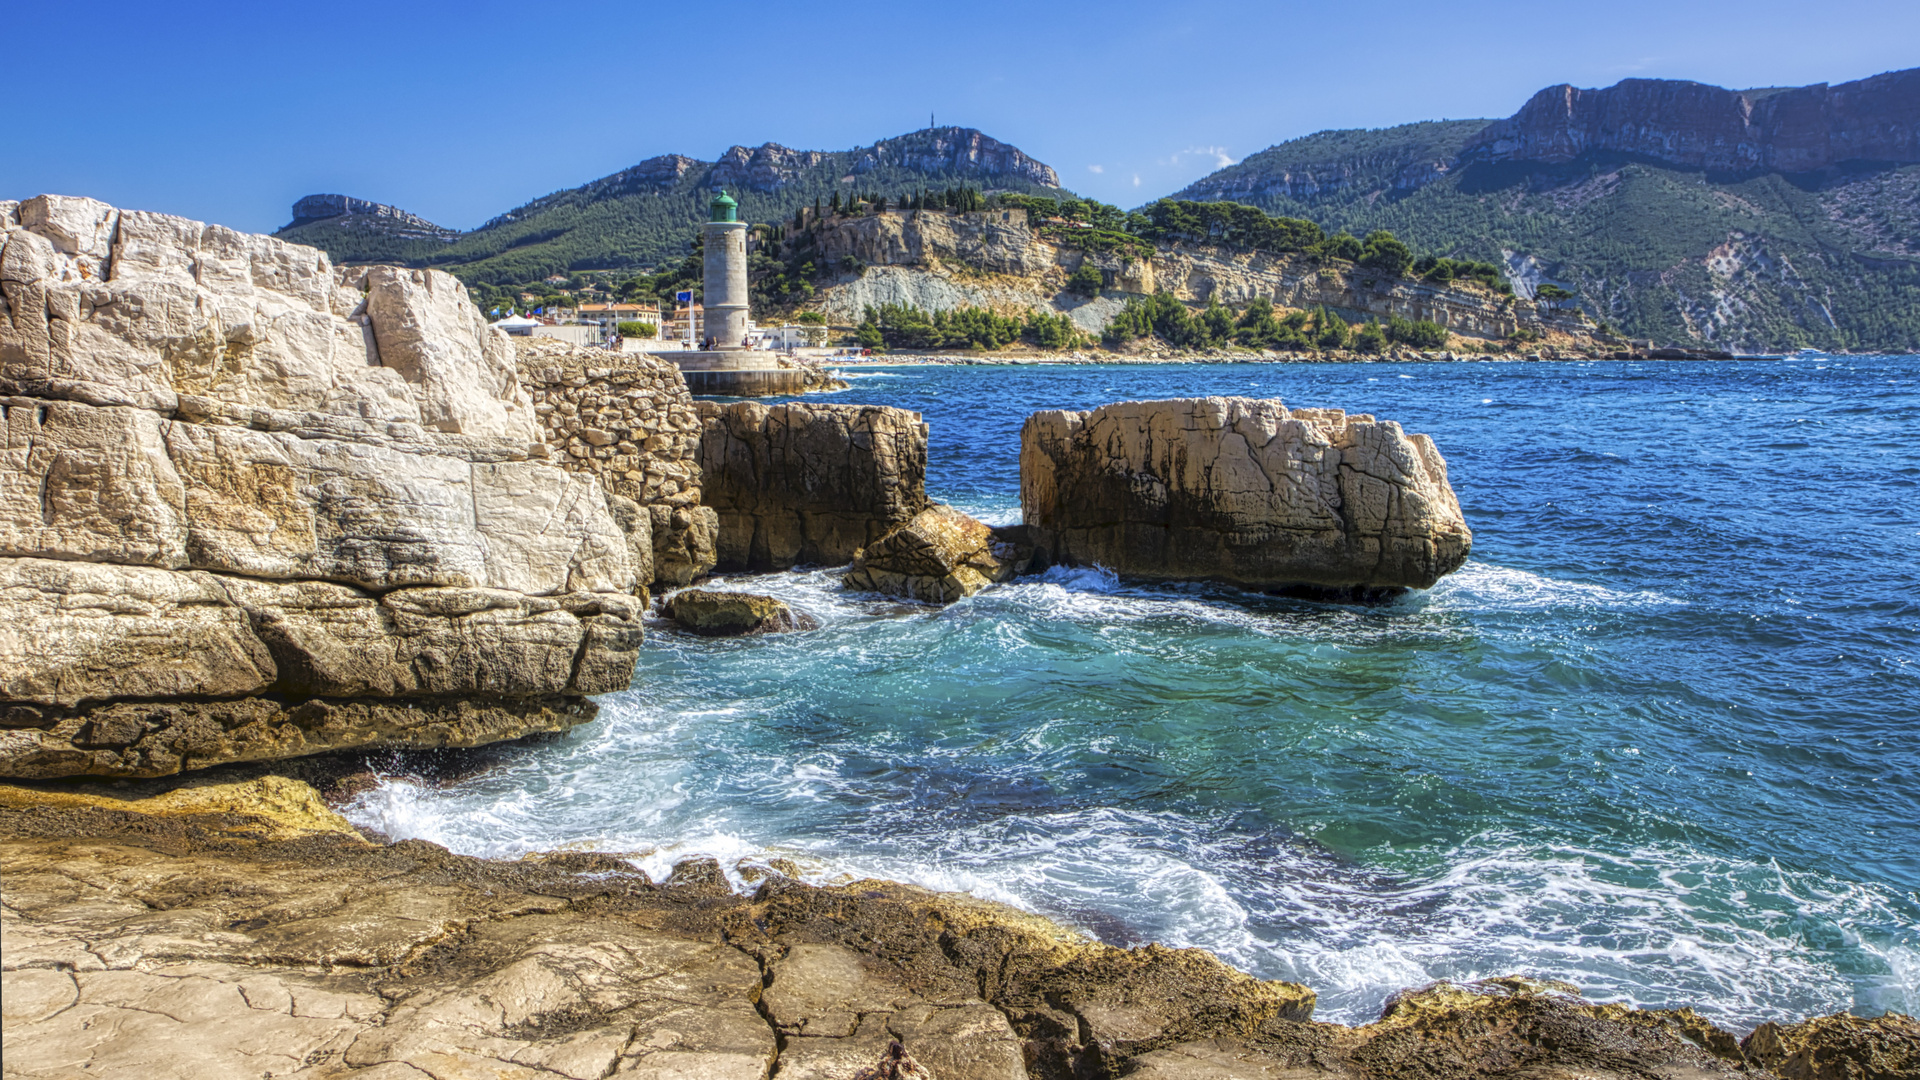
(683, 297)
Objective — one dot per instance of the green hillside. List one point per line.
(1756, 263)
(647, 216)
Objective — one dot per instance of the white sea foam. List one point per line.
(732, 749)
(1483, 587)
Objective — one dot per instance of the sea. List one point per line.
(1658, 738)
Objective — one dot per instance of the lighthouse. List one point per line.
(725, 273)
(724, 366)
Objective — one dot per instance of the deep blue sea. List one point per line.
(1660, 737)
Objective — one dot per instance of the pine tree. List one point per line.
(834, 204)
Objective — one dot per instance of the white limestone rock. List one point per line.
(1241, 491)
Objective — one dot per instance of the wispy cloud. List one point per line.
(1096, 168)
(1221, 159)
(1218, 153)
(1136, 179)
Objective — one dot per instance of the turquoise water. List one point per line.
(1660, 737)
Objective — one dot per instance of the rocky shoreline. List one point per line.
(261, 515)
(235, 925)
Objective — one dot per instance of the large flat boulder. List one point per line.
(802, 483)
(252, 506)
(1241, 491)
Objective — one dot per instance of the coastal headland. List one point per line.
(261, 515)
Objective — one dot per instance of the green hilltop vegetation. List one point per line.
(1752, 263)
(646, 217)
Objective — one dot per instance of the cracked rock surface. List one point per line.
(225, 929)
(1241, 491)
(252, 506)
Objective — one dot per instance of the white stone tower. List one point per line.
(725, 274)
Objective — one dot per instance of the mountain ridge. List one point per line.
(1750, 220)
(646, 215)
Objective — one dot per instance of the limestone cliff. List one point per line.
(935, 260)
(253, 507)
(1795, 130)
(347, 212)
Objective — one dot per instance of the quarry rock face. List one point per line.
(808, 484)
(939, 556)
(240, 485)
(1240, 491)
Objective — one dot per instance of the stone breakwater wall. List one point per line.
(627, 419)
(1241, 491)
(994, 259)
(253, 507)
(803, 483)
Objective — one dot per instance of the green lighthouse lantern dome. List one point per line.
(723, 207)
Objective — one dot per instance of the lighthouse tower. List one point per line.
(725, 272)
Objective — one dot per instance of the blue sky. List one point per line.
(228, 112)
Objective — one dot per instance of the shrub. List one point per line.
(1331, 329)
(810, 318)
(1385, 253)
(1370, 338)
(1420, 334)
(1086, 280)
(636, 329)
(1344, 246)
(1051, 331)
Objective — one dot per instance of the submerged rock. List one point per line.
(1241, 491)
(731, 614)
(939, 556)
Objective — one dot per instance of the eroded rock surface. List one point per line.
(939, 556)
(733, 614)
(805, 483)
(234, 932)
(1241, 491)
(239, 485)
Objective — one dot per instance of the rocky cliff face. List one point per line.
(1240, 491)
(994, 259)
(956, 150)
(799, 483)
(254, 507)
(360, 213)
(1694, 125)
